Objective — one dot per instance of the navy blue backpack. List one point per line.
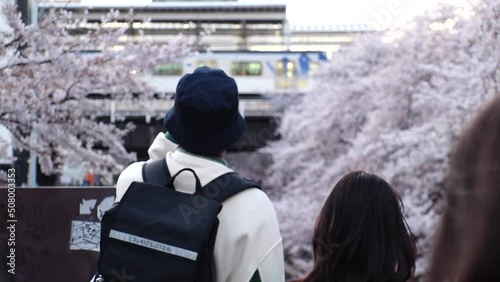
(157, 234)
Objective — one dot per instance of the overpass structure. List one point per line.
(231, 25)
(249, 108)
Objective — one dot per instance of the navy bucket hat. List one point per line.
(205, 119)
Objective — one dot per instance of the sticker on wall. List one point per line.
(105, 204)
(86, 206)
(85, 235)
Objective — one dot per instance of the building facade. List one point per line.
(217, 25)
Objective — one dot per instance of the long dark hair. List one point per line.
(468, 242)
(361, 235)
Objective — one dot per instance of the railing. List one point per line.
(148, 108)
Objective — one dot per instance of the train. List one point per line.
(256, 72)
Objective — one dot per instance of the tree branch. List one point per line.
(13, 42)
(21, 64)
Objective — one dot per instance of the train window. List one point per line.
(208, 63)
(313, 67)
(169, 69)
(286, 68)
(248, 68)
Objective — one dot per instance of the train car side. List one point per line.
(256, 73)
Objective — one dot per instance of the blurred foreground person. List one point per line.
(361, 235)
(468, 242)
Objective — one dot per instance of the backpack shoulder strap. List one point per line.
(226, 186)
(156, 172)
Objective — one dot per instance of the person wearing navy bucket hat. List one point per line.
(203, 123)
(205, 119)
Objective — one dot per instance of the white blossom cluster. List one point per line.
(393, 104)
(46, 72)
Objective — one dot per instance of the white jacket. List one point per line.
(248, 238)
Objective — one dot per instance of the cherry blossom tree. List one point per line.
(47, 71)
(393, 104)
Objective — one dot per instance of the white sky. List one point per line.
(383, 12)
(3, 23)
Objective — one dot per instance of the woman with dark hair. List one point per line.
(468, 242)
(361, 235)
